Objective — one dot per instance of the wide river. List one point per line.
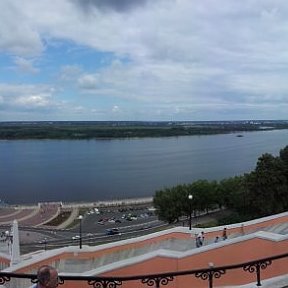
(68, 170)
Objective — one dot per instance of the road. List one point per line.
(94, 233)
(130, 223)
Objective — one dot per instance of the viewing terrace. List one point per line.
(173, 252)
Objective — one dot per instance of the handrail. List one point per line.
(156, 280)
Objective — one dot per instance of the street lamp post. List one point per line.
(190, 197)
(80, 231)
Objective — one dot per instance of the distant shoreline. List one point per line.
(85, 130)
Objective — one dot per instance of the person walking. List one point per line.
(200, 239)
(47, 277)
(224, 235)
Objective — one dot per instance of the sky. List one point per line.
(143, 60)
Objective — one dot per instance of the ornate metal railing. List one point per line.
(158, 280)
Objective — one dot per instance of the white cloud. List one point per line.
(151, 82)
(17, 34)
(263, 87)
(88, 82)
(115, 109)
(27, 97)
(69, 72)
(39, 100)
(25, 65)
(175, 56)
(176, 30)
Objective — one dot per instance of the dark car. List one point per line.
(112, 231)
(101, 222)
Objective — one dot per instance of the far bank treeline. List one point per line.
(77, 130)
(260, 193)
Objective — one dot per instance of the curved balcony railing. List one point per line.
(158, 280)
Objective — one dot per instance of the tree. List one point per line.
(262, 192)
(284, 158)
(204, 194)
(170, 203)
(284, 155)
(267, 186)
(232, 194)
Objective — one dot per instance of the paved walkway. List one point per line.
(74, 214)
(21, 214)
(34, 217)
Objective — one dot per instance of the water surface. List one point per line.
(91, 170)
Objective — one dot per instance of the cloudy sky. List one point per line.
(143, 59)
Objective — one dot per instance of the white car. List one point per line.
(76, 237)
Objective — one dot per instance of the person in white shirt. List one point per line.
(200, 239)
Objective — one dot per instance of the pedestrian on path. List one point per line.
(224, 235)
(242, 229)
(200, 239)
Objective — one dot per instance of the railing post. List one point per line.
(211, 265)
(211, 279)
(256, 267)
(258, 275)
(212, 273)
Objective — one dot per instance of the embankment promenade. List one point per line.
(104, 203)
(42, 213)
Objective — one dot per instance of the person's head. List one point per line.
(47, 277)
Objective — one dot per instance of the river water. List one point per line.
(91, 170)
